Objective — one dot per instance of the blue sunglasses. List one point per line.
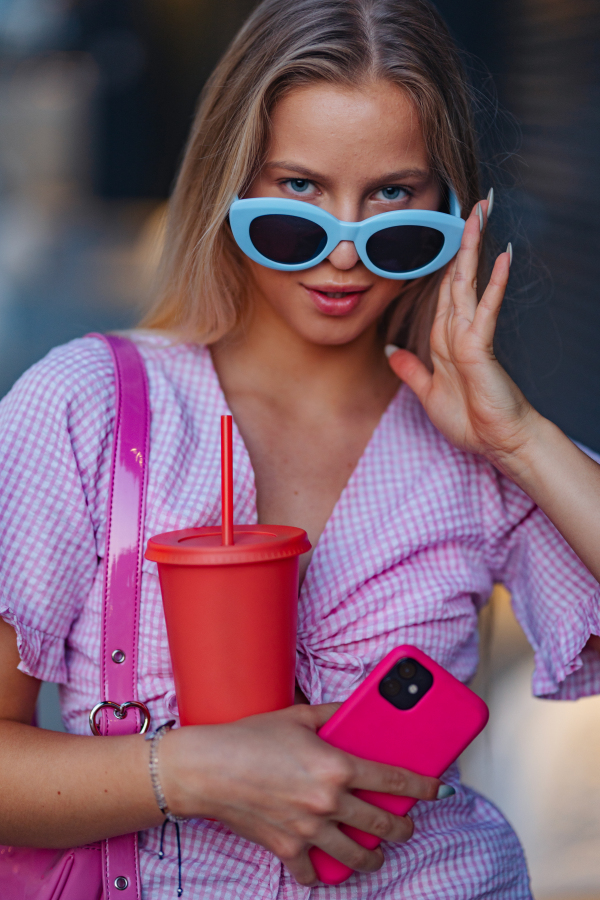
(292, 235)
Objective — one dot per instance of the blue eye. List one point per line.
(299, 185)
(393, 193)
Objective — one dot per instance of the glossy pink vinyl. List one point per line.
(425, 739)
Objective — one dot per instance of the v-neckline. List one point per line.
(341, 500)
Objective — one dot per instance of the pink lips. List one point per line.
(336, 306)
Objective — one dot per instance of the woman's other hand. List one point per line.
(469, 397)
(271, 779)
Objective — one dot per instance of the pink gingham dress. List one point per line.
(410, 553)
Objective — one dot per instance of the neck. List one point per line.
(270, 359)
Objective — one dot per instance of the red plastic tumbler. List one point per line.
(230, 597)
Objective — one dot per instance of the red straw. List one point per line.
(226, 482)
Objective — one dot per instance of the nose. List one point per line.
(344, 256)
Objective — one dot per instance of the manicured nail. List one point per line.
(390, 349)
(445, 790)
(480, 214)
(509, 251)
(490, 200)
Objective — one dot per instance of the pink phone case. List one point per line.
(425, 739)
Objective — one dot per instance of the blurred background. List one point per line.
(96, 98)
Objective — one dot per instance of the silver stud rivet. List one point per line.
(121, 883)
(118, 656)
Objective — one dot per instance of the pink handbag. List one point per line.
(108, 869)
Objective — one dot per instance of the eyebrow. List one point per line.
(389, 177)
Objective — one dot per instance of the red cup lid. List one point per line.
(203, 547)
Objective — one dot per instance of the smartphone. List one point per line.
(409, 712)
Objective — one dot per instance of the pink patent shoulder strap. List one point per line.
(124, 532)
(122, 583)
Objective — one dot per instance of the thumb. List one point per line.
(410, 369)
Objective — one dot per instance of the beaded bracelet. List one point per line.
(155, 737)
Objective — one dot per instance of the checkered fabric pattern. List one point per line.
(409, 555)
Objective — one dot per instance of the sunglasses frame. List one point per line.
(451, 225)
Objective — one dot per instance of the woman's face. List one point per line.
(355, 153)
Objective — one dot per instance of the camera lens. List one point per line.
(390, 687)
(407, 669)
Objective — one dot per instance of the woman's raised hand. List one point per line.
(272, 780)
(469, 397)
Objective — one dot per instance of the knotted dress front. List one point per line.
(409, 555)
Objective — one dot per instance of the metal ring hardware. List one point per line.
(121, 883)
(118, 656)
(121, 710)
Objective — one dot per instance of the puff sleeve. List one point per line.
(554, 597)
(55, 443)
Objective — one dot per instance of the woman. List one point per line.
(415, 496)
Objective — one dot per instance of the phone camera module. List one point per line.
(406, 684)
(407, 669)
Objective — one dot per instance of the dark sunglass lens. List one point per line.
(404, 248)
(287, 239)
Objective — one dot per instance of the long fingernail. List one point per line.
(445, 790)
(490, 200)
(390, 349)
(480, 214)
(510, 254)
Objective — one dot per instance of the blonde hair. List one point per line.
(285, 44)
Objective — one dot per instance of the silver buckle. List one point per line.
(121, 710)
